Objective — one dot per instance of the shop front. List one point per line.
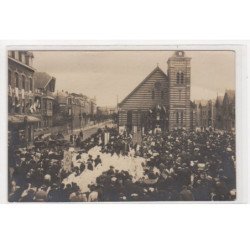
(21, 129)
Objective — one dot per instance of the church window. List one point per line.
(177, 117)
(20, 56)
(178, 78)
(17, 79)
(162, 94)
(27, 59)
(158, 85)
(153, 94)
(23, 82)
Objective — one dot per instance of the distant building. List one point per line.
(61, 113)
(225, 115)
(106, 110)
(93, 106)
(205, 113)
(75, 110)
(21, 120)
(216, 114)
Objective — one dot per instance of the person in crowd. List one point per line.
(98, 160)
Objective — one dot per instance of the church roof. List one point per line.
(140, 84)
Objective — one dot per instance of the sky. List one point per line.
(112, 75)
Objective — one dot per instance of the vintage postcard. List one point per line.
(121, 125)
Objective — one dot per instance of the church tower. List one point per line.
(179, 71)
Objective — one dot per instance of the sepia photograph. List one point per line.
(121, 126)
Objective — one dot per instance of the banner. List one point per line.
(17, 93)
(121, 129)
(67, 160)
(134, 129)
(106, 138)
(137, 138)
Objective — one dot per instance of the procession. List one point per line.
(155, 145)
(175, 166)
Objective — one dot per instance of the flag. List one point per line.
(16, 93)
(67, 160)
(9, 90)
(106, 138)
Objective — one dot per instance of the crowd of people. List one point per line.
(179, 166)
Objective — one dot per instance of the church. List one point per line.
(161, 101)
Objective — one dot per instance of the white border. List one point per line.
(240, 47)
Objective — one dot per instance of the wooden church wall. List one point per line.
(142, 97)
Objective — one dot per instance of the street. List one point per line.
(88, 131)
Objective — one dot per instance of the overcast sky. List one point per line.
(108, 74)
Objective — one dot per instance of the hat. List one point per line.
(232, 192)
(113, 179)
(134, 195)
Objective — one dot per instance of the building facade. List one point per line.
(43, 98)
(216, 114)
(179, 74)
(21, 120)
(225, 111)
(161, 101)
(73, 110)
(205, 114)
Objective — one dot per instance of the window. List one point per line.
(20, 56)
(51, 87)
(50, 106)
(23, 82)
(9, 77)
(13, 54)
(178, 78)
(27, 60)
(177, 117)
(153, 94)
(44, 104)
(31, 84)
(17, 80)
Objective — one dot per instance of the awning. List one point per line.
(48, 97)
(15, 119)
